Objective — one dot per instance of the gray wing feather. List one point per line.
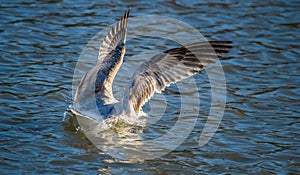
(97, 82)
(170, 67)
(115, 37)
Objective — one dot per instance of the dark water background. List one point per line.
(259, 134)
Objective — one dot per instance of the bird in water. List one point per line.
(94, 94)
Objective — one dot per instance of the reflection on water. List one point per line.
(41, 42)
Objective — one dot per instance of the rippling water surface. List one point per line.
(40, 45)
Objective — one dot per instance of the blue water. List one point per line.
(260, 131)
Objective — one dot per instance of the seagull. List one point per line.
(153, 76)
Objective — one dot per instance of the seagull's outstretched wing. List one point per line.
(97, 82)
(170, 67)
(110, 58)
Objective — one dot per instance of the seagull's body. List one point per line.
(152, 76)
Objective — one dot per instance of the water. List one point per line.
(41, 42)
